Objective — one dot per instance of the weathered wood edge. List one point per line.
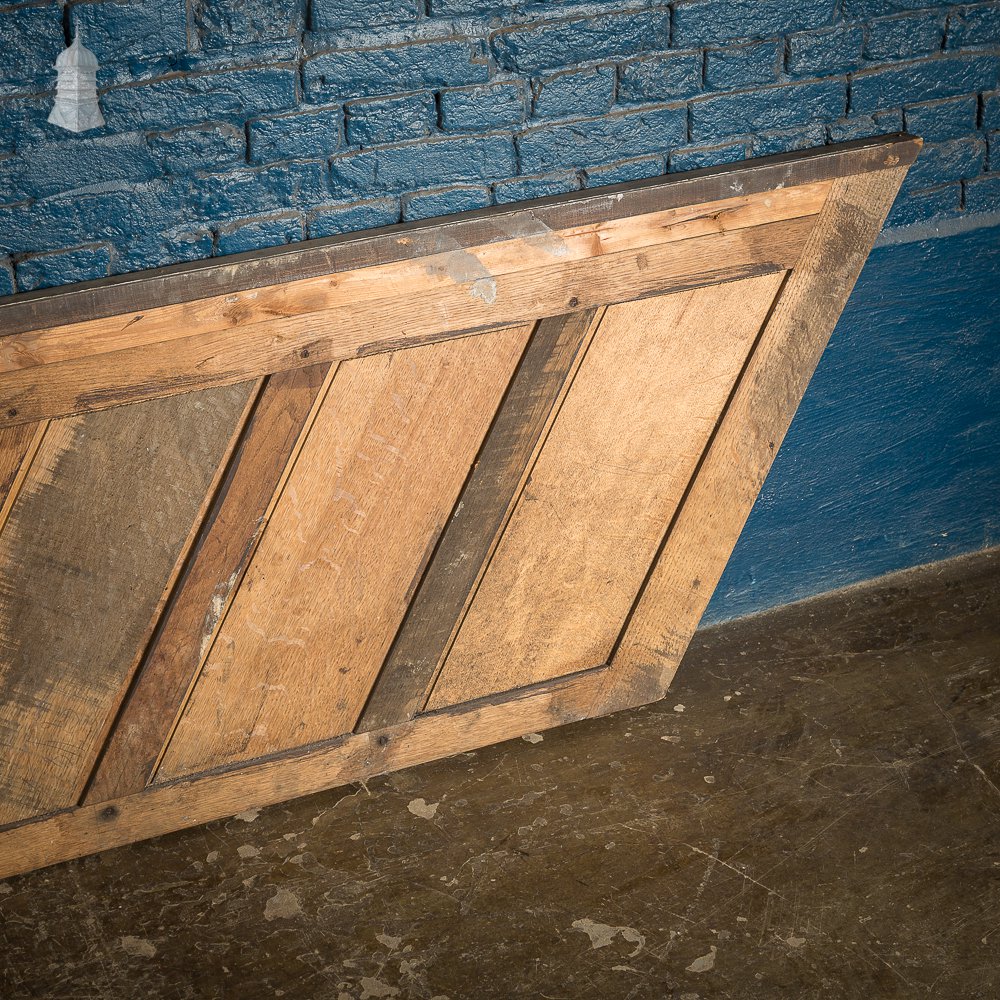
(190, 801)
(190, 281)
(732, 469)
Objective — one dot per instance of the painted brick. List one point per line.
(662, 78)
(338, 15)
(159, 249)
(350, 218)
(709, 22)
(942, 120)
(970, 26)
(627, 170)
(203, 147)
(864, 126)
(426, 164)
(116, 31)
(303, 136)
(260, 233)
(583, 93)
(909, 35)
(774, 108)
(819, 53)
(912, 83)
(250, 191)
(484, 108)
(30, 38)
(391, 119)
(787, 140)
(939, 162)
(993, 151)
(447, 201)
(6, 276)
(525, 188)
(46, 270)
(189, 100)
(225, 23)
(73, 162)
(603, 140)
(743, 65)
(861, 10)
(467, 8)
(983, 194)
(535, 47)
(375, 72)
(991, 110)
(695, 159)
(923, 206)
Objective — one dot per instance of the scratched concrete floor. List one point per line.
(813, 812)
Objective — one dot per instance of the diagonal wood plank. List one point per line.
(94, 537)
(482, 509)
(737, 461)
(604, 488)
(18, 446)
(227, 540)
(329, 584)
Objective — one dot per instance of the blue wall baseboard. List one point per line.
(893, 459)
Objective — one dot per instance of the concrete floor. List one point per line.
(814, 811)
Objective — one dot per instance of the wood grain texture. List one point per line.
(93, 539)
(545, 371)
(18, 446)
(330, 581)
(227, 540)
(529, 248)
(749, 435)
(604, 487)
(188, 802)
(471, 299)
(179, 283)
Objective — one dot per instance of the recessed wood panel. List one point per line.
(93, 538)
(373, 485)
(601, 494)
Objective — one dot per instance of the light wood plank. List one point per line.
(531, 247)
(474, 300)
(228, 538)
(93, 540)
(483, 507)
(604, 488)
(188, 802)
(754, 425)
(329, 584)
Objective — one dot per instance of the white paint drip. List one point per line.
(532, 737)
(423, 809)
(704, 963)
(601, 935)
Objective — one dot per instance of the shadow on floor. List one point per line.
(814, 811)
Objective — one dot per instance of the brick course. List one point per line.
(233, 124)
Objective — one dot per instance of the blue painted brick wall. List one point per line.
(342, 114)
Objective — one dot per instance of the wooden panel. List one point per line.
(90, 548)
(17, 449)
(227, 540)
(475, 525)
(737, 462)
(329, 584)
(472, 299)
(604, 488)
